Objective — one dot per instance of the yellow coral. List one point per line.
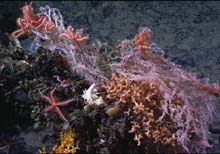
(43, 150)
(66, 145)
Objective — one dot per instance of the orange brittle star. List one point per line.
(75, 37)
(142, 42)
(32, 21)
(54, 104)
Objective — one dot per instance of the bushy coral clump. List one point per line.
(186, 99)
(174, 123)
(143, 102)
(66, 144)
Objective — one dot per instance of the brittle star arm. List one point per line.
(41, 20)
(46, 98)
(62, 35)
(17, 33)
(63, 103)
(82, 38)
(60, 114)
(51, 96)
(52, 101)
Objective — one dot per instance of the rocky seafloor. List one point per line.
(188, 32)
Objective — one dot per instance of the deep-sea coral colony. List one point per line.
(66, 146)
(48, 25)
(67, 41)
(31, 21)
(42, 24)
(155, 93)
(144, 100)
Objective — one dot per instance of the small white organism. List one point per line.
(91, 97)
(90, 94)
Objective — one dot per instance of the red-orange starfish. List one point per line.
(54, 104)
(63, 83)
(75, 37)
(141, 40)
(32, 21)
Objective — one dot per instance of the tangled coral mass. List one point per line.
(165, 102)
(143, 101)
(165, 105)
(167, 122)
